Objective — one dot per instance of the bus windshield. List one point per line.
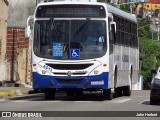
(54, 39)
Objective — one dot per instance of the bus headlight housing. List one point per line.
(40, 70)
(97, 71)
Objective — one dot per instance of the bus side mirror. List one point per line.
(113, 27)
(113, 30)
(29, 26)
(27, 31)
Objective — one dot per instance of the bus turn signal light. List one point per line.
(34, 65)
(104, 65)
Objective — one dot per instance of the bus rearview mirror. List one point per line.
(113, 26)
(27, 31)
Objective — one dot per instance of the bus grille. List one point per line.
(69, 66)
(73, 81)
(62, 73)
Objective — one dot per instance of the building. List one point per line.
(16, 44)
(3, 36)
(149, 7)
(152, 5)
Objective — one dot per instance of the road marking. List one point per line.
(143, 101)
(120, 101)
(31, 101)
(82, 101)
(19, 101)
(52, 101)
(2, 100)
(142, 96)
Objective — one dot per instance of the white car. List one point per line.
(155, 88)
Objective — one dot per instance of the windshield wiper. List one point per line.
(54, 28)
(82, 26)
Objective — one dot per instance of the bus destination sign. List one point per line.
(96, 11)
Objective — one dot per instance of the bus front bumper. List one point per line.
(97, 82)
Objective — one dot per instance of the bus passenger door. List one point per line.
(111, 51)
(111, 40)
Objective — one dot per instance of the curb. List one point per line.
(11, 93)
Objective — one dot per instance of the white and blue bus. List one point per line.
(80, 46)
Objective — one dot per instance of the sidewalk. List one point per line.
(14, 91)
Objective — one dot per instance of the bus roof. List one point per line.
(121, 13)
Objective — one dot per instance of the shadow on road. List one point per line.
(61, 96)
(148, 103)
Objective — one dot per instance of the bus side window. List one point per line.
(129, 27)
(122, 38)
(129, 40)
(118, 37)
(126, 39)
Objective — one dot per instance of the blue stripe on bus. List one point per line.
(42, 81)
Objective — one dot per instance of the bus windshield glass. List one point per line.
(57, 39)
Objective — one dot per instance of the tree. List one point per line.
(149, 57)
(144, 28)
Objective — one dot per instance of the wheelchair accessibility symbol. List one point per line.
(74, 53)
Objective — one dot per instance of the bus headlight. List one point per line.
(97, 71)
(40, 70)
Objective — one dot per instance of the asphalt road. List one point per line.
(138, 101)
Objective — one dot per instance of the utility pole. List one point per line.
(13, 43)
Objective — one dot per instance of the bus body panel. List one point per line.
(43, 81)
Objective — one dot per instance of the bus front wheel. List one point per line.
(107, 94)
(50, 93)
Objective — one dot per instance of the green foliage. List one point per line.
(144, 28)
(149, 56)
(125, 8)
(149, 50)
(100, 0)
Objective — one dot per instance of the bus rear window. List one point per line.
(66, 11)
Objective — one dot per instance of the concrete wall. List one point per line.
(19, 11)
(3, 33)
(16, 44)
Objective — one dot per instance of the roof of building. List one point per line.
(154, 1)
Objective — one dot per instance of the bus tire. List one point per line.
(36, 90)
(50, 94)
(127, 91)
(107, 94)
(118, 92)
(153, 101)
